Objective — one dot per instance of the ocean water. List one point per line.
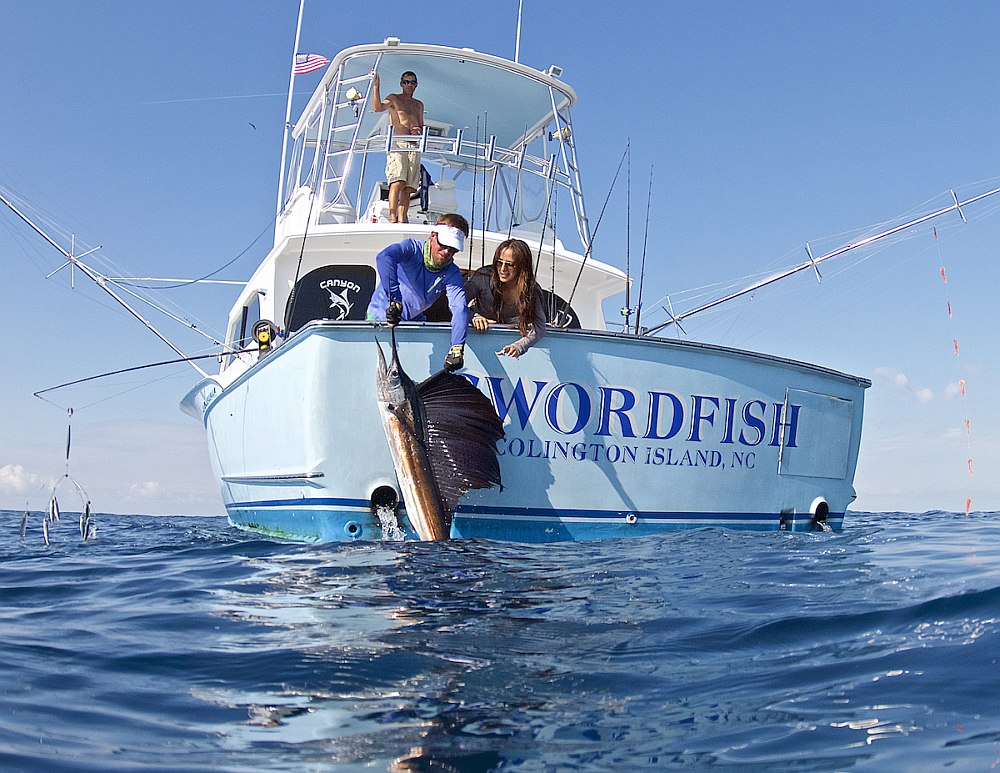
(181, 644)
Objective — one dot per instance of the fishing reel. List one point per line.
(265, 333)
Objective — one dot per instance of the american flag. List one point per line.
(308, 62)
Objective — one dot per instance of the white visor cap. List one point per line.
(450, 236)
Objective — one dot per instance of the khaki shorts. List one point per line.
(403, 165)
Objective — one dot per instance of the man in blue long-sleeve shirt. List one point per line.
(413, 274)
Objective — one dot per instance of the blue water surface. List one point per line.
(181, 644)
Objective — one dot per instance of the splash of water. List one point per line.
(390, 525)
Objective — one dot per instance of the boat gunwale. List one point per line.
(318, 326)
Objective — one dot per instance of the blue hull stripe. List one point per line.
(301, 503)
(480, 512)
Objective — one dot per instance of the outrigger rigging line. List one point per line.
(814, 262)
(103, 282)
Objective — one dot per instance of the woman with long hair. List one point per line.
(506, 293)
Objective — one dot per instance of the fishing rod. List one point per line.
(134, 368)
(627, 311)
(814, 262)
(293, 298)
(485, 219)
(515, 200)
(597, 225)
(550, 179)
(552, 293)
(475, 182)
(645, 240)
(488, 152)
(102, 281)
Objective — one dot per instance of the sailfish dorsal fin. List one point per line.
(461, 430)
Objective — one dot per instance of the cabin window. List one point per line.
(251, 314)
(302, 157)
(338, 292)
(241, 331)
(292, 174)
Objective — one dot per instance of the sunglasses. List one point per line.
(408, 82)
(507, 263)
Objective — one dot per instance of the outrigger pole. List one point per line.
(814, 262)
(288, 112)
(517, 39)
(101, 281)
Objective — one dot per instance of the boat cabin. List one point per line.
(498, 147)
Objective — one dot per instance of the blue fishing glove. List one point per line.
(394, 314)
(455, 358)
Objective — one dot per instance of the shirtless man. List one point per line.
(402, 167)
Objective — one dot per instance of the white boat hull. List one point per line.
(607, 436)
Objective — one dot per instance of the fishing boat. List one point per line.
(608, 433)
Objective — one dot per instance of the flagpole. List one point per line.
(288, 111)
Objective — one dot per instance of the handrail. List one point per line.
(464, 149)
(564, 134)
(456, 152)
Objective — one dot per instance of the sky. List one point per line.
(153, 130)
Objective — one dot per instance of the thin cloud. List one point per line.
(15, 479)
(953, 390)
(900, 383)
(145, 489)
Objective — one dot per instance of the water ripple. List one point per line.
(182, 644)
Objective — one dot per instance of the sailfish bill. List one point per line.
(442, 435)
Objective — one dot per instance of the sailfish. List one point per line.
(442, 435)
